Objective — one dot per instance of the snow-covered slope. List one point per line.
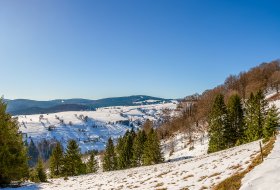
(265, 175)
(202, 172)
(90, 129)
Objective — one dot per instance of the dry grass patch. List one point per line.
(203, 187)
(162, 174)
(187, 177)
(235, 167)
(215, 174)
(159, 184)
(202, 177)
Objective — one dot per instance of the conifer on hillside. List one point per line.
(271, 122)
(234, 133)
(56, 160)
(138, 148)
(72, 162)
(218, 123)
(256, 110)
(13, 157)
(110, 159)
(42, 176)
(92, 165)
(124, 150)
(152, 151)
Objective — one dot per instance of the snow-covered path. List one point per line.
(267, 174)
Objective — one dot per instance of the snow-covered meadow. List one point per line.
(90, 129)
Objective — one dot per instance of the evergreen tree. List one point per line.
(13, 157)
(92, 164)
(33, 154)
(218, 123)
(234, 133)
(56, 160)
(138, 148)
(109, 160)
(72, 162)
(152, 151)
(271, 122)
(256, 110)
(124, 150)
(42, 176)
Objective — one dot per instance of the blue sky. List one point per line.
(99, 48)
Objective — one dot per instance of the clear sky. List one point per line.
(100, 48)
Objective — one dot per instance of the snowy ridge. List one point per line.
(91, 129)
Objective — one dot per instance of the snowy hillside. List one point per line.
(265, 175)
(91, 129)
(202, 172)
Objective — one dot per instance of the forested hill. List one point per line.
(195, 108)
(28, 107)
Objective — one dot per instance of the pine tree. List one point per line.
(56, 160)
(218, 123)
(234, 133)
(72, 162)
(271, 122)
(110, 160)
(256, 110)
(13, 157)
(138, 148)
(152, 151)
(42, 176)
(124, 150)
(92, 165)
(33, 154)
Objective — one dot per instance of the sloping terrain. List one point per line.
(91, 129)
(265, 175)
(202, 172)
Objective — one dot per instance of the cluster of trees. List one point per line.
(70, 163)
(194, 111)
(133, 149)
(240, 122)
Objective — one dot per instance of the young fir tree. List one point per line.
(42, 176)
(56, 160)
(38, 174)
(72, 162)
(33, 154)
(235, 131)
(109, 159)
(152, 151)
(256, 110)
(124, 150)
(92, 165)
(13, 157)
(271, 122)
(218, 123)
(138, 148)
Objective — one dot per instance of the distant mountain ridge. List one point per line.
(29, 107)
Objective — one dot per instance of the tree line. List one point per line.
(239, 122)
(193, 111)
